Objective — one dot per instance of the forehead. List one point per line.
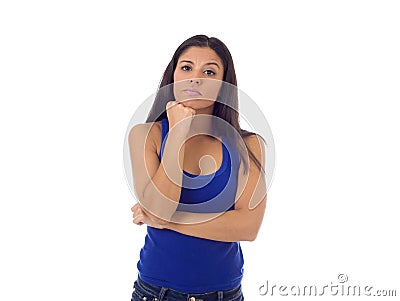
(200, 54)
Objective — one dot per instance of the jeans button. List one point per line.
(192, 299)
(144, 298)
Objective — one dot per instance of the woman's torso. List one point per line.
(186, 263)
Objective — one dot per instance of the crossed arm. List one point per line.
(241, 224)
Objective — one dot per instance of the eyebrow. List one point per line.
(210, 63)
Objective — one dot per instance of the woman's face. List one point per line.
(198, 77)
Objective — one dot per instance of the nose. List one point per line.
(195, 81)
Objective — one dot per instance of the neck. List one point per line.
(201, 124)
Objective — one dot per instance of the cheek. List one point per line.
(178, 76)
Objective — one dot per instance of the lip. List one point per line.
(192, 92)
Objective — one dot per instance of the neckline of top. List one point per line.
(164, 130)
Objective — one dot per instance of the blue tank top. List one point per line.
(191, 264)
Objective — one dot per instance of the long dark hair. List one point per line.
(228, 92)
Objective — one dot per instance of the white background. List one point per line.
(72, 73)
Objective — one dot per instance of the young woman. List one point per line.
(199, 179)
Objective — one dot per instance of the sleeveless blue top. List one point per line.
(191, 264)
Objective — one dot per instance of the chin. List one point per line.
(197, 104)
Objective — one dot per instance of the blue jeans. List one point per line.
(143, 291)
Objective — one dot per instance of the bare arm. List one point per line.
(157, 184)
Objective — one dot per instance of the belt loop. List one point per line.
(162, 293)
(220, 295)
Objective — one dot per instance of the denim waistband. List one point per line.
(165, 293)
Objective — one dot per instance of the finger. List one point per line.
(138, 210)
(138, 219)
(170, 104)
(137, 213)
(135, 209)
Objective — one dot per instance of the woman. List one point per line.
(196, 216)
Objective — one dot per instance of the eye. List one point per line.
(185, 68)
(211, 72)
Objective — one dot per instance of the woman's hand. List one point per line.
(141, 216)
(178, 116)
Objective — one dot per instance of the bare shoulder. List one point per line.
(149, 131)
(255, 143)
(151, 127)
